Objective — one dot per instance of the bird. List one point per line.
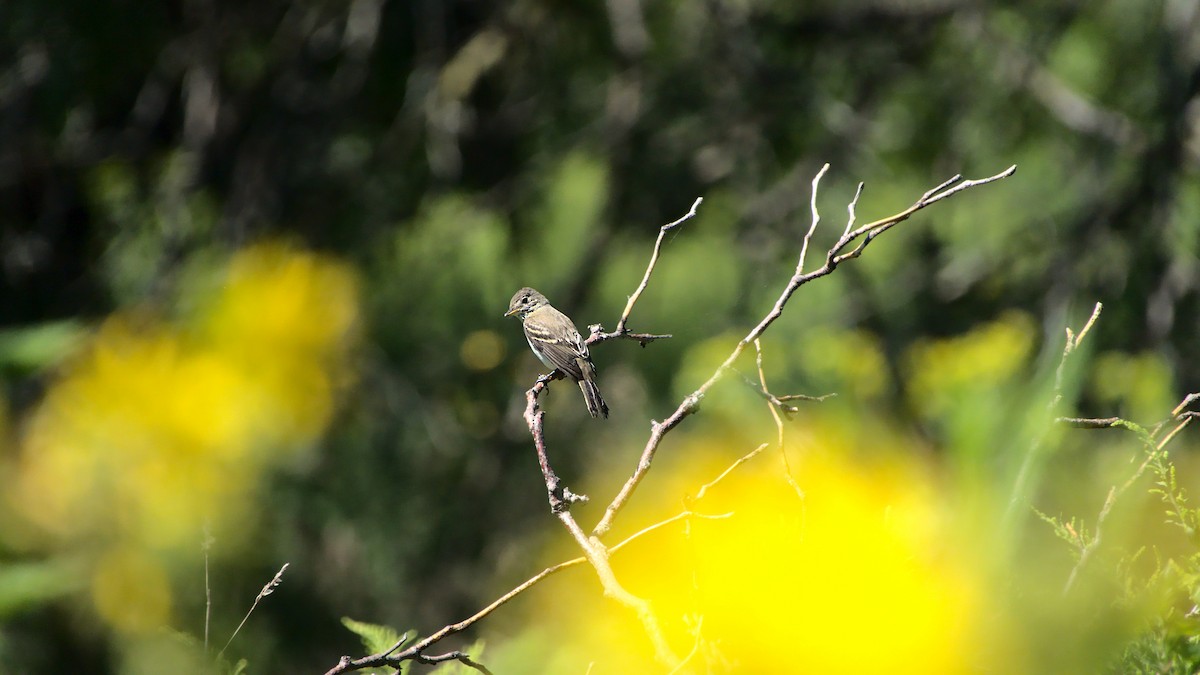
(557, 343)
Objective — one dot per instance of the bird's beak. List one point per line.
(511, 312)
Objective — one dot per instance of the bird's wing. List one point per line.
(564, 349)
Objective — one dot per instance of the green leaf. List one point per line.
(25, 585)
(36, 347)
(377, 638)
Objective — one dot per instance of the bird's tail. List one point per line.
(591, 396)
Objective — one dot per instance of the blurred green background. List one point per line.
(274, 241)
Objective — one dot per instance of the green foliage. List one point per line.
(378, 638)
(146, 226)
(31, 348)
(1166, 640)
(1138, 386)
(452, 253)
(25, 585)
(1073, 531)
(181, 651)
(564, 220)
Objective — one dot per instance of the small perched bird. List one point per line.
(555, 341)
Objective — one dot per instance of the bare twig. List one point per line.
(781, 402)
(816, 217)
(1185, 419)
(1090, 322)
(1183, 405)
(695, 643)
(593, 549)
(682, 515)
(1020, 484)
(597, 334)
(833, 258)
(637, 293)
(1073, 342)
(741, 460)
(205, 546)
(851, 209)
(774, 410)
(596, 331)
(597, 555)
(390, 657)
(452, 656)
(394, 659)
(268, 589)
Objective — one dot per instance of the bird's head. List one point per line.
(525, 301)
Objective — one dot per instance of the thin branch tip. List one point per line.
(944, 185)
(662, 233)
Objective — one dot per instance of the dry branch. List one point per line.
(393, 657)
(1021, 482)
(622, 330)
(836, 254)
(560, 498)
(774, 405)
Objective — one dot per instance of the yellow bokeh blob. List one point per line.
(862, 573)
(159, 431)
(939, 371)
(848, 579)
(482, 350)
(1139, 386)
(851, 358)
(284, 320)
(131, 591)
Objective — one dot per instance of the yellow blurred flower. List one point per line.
(863, 574)
(156, 431)
(1138, 386)
(849, 581)
(941, 371)
(283, 321)
(851, 359)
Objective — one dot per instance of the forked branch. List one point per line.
(622, 329)
(394, 657)
(836, 255)
(594, 550)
